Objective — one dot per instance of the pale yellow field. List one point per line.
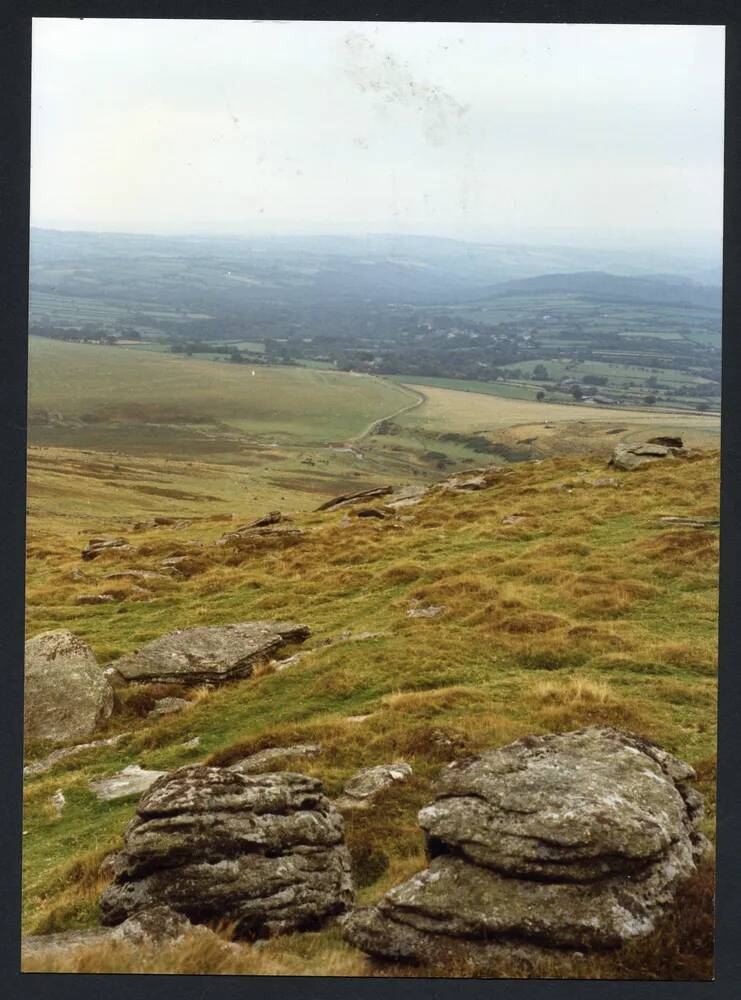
(451, 410)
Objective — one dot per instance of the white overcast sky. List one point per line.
(501, 131)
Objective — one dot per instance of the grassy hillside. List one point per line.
(102, 385)
(587, 609)
(447, 407)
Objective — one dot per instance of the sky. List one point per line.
(499, 132)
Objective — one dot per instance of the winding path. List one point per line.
(421, 398)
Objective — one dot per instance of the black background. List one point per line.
(15, 60)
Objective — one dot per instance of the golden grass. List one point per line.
(612, 621)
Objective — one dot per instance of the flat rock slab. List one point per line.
(369, 781)
(209, 654)
(262, 851)
(264, 760)
(570, 841)
(67, 695)
(131, 781)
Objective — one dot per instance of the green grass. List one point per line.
(587, 611)
(110, 386)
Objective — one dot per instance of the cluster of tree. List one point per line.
(86, 334)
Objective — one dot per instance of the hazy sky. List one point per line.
(472, 131)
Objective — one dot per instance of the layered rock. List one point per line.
(67, 696)
(577, 840)
(628, 457)
(262, 851)
(208, 654)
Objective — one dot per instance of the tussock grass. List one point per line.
(586, 611)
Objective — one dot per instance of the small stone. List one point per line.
(168, 706)
(429, 612)
(369, 781)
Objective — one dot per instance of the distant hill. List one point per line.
(661, 289)
(217, 273)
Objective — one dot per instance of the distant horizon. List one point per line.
(704, 241)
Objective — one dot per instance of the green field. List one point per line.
(103, 386)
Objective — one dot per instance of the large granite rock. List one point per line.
(262, 851)
(67, 695)
(208, 654)
(577, 840)
(628, 457)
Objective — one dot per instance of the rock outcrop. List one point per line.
(208, 654)
(628, 457)
(262, 851)
(67, 696)
(575, 841)
(348, 499)
(96, 546)
(365, 784)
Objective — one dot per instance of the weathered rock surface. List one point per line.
(628, 457)
(131, 781)
(264, 760)
(348, 499)
(577, 840)
(365, 784)
(265, 531)
(66, 693)
(208, 653)
(406, 496)
(264, 851)
(98, 545)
